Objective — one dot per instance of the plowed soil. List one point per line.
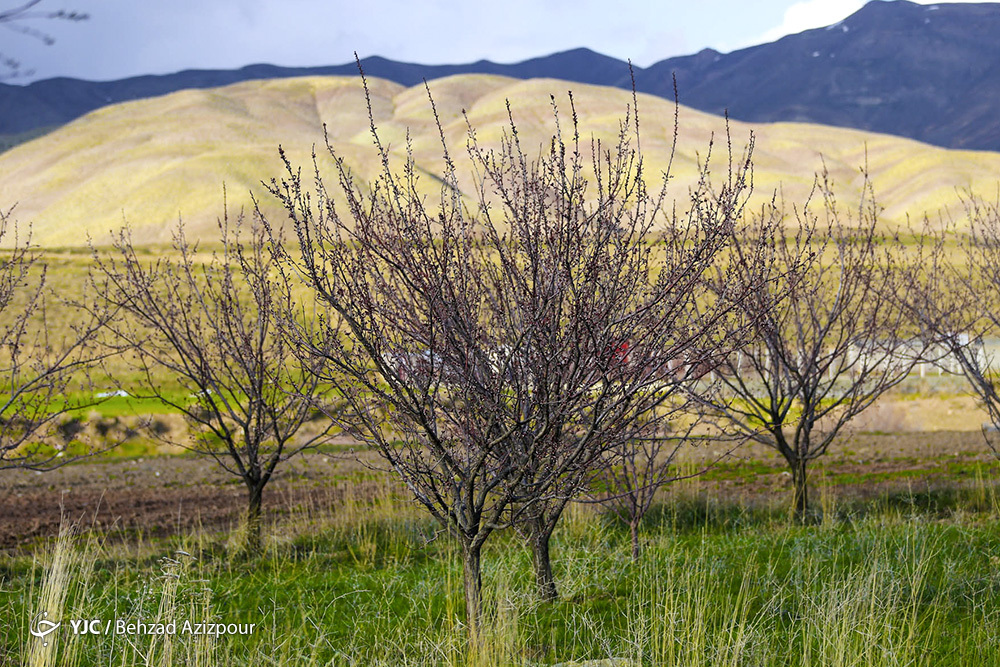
(160, 495)
(163, 495)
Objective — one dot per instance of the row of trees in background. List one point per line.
(557, 339)
(45, 374)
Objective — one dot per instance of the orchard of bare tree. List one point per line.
(554, 402)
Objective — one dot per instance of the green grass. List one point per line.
(123, 406)
(909, 579)
(949, 470)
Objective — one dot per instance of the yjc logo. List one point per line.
(83, 627)
(42, 628)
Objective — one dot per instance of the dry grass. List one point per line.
(152, 161)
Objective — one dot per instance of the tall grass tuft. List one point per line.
(50, 601)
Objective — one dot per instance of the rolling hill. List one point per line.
(154, 161)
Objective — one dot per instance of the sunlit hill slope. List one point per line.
(154, 161)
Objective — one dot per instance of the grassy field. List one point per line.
(904, 568)
(909, 578)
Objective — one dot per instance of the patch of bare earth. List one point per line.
(165, 495)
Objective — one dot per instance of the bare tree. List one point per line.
(481, 351)
(638, 468)
(20, 19)
(656, 341)
(829, 334)
(45, 372)
(957, 303)
(595, 290)
(203, 337)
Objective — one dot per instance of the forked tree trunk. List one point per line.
(539, 535)
(254, 543)
(473, 583)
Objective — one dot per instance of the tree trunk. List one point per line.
(539, 534)
(254, 539)
(473, 582)
(800, 491)
(634, 528)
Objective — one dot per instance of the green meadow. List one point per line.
(909, 578)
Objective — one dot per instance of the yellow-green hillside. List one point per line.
(152, 161)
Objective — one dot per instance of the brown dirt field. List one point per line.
(162, 495)
(169, 494)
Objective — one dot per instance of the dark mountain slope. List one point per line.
(53, 102)
(928, 72)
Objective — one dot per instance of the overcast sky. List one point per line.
(130, 37)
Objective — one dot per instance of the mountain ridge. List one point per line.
(925, 72)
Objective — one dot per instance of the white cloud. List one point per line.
(809, 14)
